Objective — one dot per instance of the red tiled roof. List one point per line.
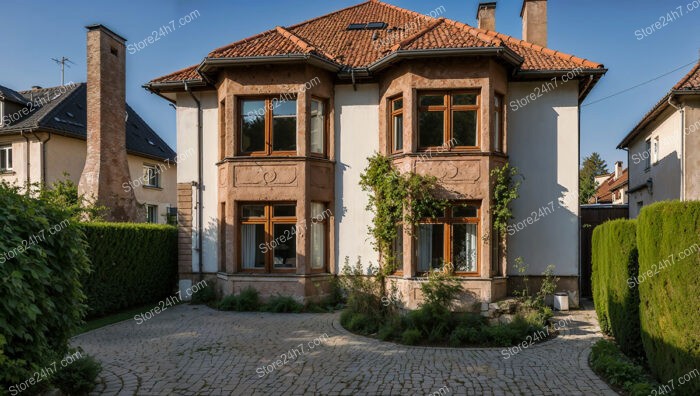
(604, 193)
(328, 37)
(690, 83)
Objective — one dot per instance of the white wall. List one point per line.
(543, 142)
(187, 169)
(666, 173)
(356, 137)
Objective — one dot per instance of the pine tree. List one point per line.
(593, 166)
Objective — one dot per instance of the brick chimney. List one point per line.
(486, 16)
(618, 169)
(106, 166)
(534, 15)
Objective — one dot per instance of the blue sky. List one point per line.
(600, 30)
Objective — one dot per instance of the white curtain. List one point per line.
(248, 245)
(425, 247)
(318, 233)
(470, 244)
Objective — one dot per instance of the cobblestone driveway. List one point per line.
(189, 350)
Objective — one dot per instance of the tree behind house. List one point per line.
(593, 166)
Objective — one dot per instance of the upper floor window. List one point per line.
(151, 176)
(396, 139)
(655, 152)
(268, 126)
(647, 157)
(448, 119)
(5, 158)
(498, 127)
(319, 127)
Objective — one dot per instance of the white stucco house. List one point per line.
(664, 148)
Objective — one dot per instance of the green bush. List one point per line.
(411, 337)
(248, 300)
(283, 304)
(668, 237)
(132, 264)
(204, 295)
(615, 295)
(79, 377)
(42, 258)
(617, 369)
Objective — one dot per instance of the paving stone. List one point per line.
(190, 350)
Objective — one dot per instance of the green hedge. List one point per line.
(132, 264)
(669, 290)
(42, 257)
(616, 297)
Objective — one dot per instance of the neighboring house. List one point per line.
(286, 119)
(612, 189)
(44, 135)
(664, 148)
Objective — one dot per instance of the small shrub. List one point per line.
(618, 370)
(470, 319)
(500, 335)
(205, 295)
(248, 300)
(283, 304)
(79, 377)
(411, 337)
(461, 335)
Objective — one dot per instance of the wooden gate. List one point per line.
(591, 216)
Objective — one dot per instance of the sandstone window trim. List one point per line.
(448, 109)
(448, 225)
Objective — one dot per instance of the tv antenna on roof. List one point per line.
(64, 62)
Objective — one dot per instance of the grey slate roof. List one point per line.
(63, 110)
(11, 95)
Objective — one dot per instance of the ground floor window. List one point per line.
(319, 235)
(268, 237)
(397, 250)
(152, 214)
(452, 238)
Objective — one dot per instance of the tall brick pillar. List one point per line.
(106, 167)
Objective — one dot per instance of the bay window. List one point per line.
(448, 119)
(498, 127)
(396, 136)
(452, 238)
(268, 126)
(319, 127)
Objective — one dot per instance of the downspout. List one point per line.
(200, 220)
(26, 158)
(682, 111)
(43, 156)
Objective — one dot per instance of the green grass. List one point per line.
(115, 318)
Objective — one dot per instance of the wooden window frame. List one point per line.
(448, 109)
(499, 111)
(222, 129)
(268, 220)
(447, 221)
(269, 116)
(392, 114)
(326, 127)
(326, 242)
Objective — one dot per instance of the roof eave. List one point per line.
(506, 53)
(652, 115)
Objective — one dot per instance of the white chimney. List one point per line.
(486, 16)
(534, 15)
